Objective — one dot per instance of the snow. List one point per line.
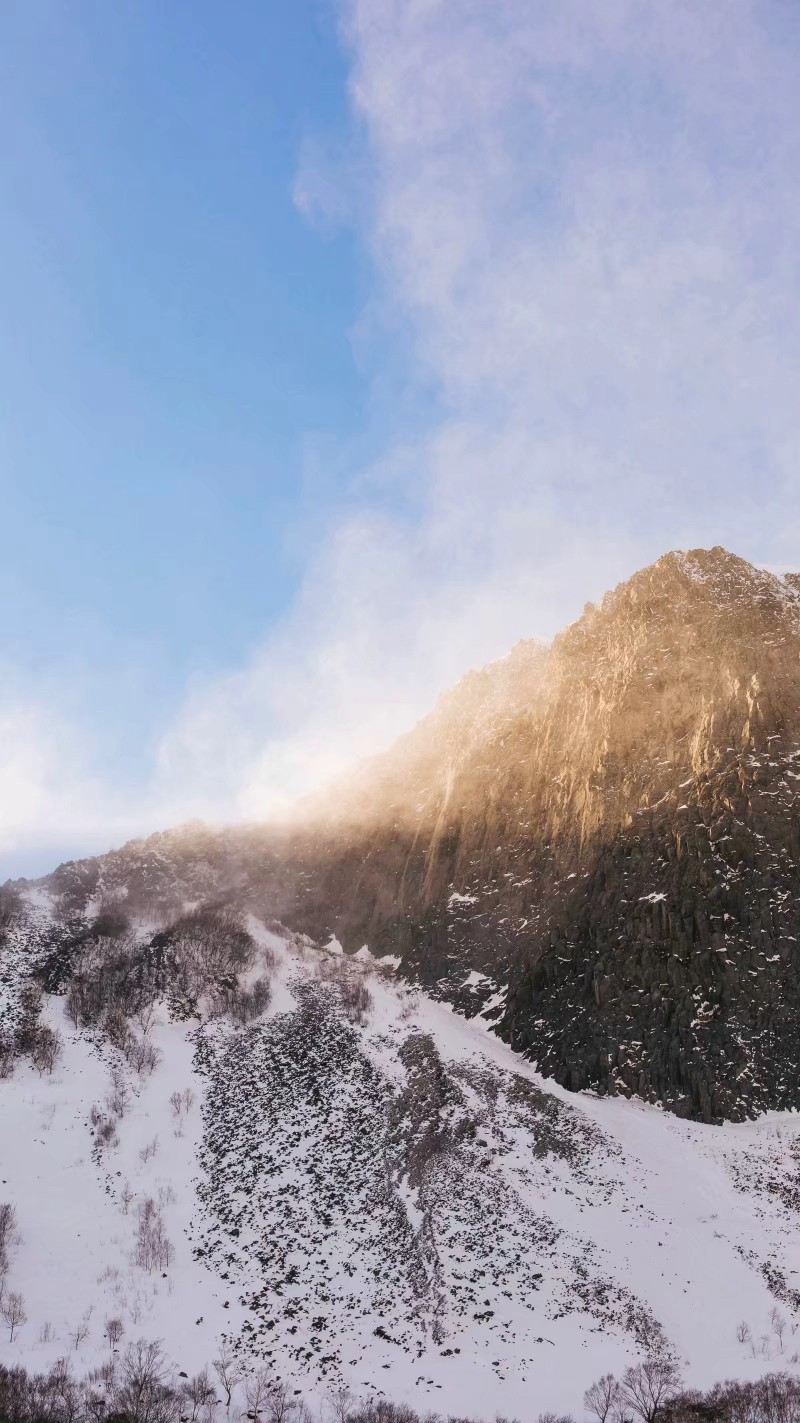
(530, 1237)
(74, 1258)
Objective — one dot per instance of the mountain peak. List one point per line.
(714, 579)
(604, 831)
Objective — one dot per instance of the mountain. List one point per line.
(475, 1080)
(606, 831)
(247, 1143)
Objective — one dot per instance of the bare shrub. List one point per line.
(149, 1150)
(142, 1055)
(247, 1004)
(210, 945)
(268, 956)
(105, 1133)
(356, 998)
(181, 1104)
(46, 1049)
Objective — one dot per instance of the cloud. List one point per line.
(583, 222)
(47, 796)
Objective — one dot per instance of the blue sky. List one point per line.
(344, 343)
(174, 335)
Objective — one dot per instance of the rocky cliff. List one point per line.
(598, 843)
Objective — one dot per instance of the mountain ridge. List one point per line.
(604, 831)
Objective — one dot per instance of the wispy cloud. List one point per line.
(583, 220)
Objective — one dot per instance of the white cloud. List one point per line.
(584, 221)
(584, 212)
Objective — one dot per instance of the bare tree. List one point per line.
(743, 1332)
(199, 1393)
(648, 1387)
(280, 1401)
(341, 1402)
(602, 1397)
(78, 1333)
(256, 1391)
(144, 1393)
(154, 1250)
(8, 1225)
(13, 1312)
(119, 1096)
(114, 1331)
(228, 1370)
(126, 1195)
(145, 1016)
(73, 1004)
(779, 1325)
(117, 1028)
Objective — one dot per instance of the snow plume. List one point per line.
(582, 221)
(582, 224)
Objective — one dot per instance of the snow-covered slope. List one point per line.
(378, 1191)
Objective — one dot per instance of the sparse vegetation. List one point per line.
(141, 1387)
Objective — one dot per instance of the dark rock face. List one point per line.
(607, 829)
